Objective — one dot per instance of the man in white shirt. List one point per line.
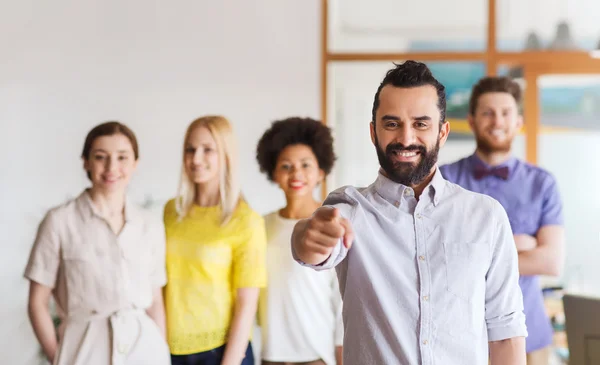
(432, 275)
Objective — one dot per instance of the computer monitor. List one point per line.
(582, 321)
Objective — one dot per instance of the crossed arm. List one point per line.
(542, 254)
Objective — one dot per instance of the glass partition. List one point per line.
(406, 26)
(547, 25)
(569, 147)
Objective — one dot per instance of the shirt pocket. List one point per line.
(466, 267)
(79, 270)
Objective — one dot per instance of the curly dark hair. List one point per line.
(294, 131)
(412, 74)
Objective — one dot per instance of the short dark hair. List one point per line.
(412, 74)
(295, 131)
(491, 84)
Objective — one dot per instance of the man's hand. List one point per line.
(525, 242)
(314, 238)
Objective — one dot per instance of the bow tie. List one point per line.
(480, 172)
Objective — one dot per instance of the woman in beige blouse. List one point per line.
(103, 260)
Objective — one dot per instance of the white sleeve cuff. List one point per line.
(337, 255)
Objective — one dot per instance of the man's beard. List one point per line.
(406, 173)
(486, 146)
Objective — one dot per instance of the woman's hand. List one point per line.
(41, 320)
(241, 325)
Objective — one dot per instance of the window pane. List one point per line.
(547, 24)
(407, 26)
(352, 87)
(569, 147)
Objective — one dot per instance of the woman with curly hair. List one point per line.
(297, 154)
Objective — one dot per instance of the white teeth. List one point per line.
(498, 133)
(407, 154)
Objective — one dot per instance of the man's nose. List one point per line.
(406, 136)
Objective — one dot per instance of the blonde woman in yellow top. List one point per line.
(215, 253)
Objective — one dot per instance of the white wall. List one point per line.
(156, 66)
(577, 176)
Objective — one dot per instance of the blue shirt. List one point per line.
(531, 199)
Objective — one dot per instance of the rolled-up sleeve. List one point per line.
(347, 206)
(249, 254)
(504, 300)
(44, 258)
(552, 208)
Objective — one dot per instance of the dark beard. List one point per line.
(406, 173)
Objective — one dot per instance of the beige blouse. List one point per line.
(102, 283)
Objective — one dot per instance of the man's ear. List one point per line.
(372, 129)
(520, 122)
(471, 120)
(444, 132)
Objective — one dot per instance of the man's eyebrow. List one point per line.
(422, 118)
(390, 117)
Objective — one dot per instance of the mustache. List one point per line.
(399, 147)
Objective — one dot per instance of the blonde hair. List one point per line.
(229, 187)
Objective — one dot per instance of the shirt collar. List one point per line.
(393, 191)
(88, 210)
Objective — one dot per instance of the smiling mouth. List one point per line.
(405, 156)
(498, 133)
(296, 185)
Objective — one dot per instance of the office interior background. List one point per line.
(68, 65)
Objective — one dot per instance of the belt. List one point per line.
(126, 329)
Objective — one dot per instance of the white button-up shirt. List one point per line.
(426, 281)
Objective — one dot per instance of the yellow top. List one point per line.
(206, 264)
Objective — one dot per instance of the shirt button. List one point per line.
(425, 342)
(397, 204)
(422, 258)
(426, 298)
(419, 216)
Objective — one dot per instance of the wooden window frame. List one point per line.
(534, 64)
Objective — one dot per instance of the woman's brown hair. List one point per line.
(109, 129)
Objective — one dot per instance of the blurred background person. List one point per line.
(528, 193)
(297, 154)
(103, 260)
(215, 253)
